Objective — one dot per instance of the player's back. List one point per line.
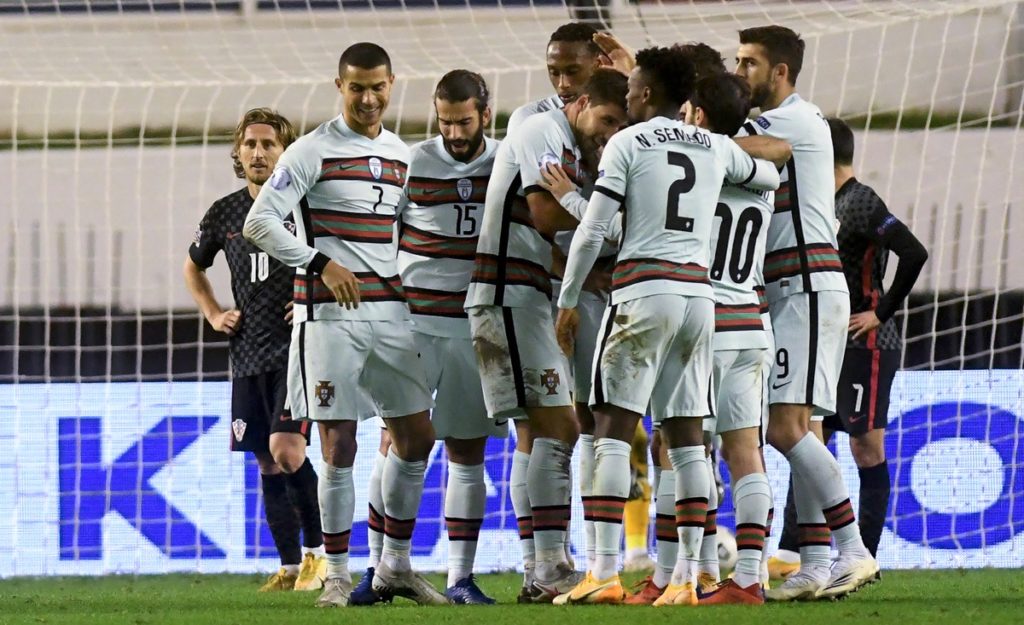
(672, 173)
(439, 233)
(737, 259)
(348, 212)
(520, 114)
(802, 249)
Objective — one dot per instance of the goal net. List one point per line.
(115, 118)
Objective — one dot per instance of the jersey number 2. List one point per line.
(673, 220)
(260, 263)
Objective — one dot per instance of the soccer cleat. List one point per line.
(706, 583)
(282, 580)
(677, 594)
(800, 586)
(638, 564)
(406, 584)
(545, 592)
(645, 592)
(335, 594)
(529, 594)
(466, 592)
(594, 591)
(849, 574)
(364, 594)
(730, 593)
(312, 573)
(779, 569)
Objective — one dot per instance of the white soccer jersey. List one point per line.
(343, 188)
(518, 116)
(802, 251)
(737, 256)
(440, 225)
(513, 260)
(666, 176)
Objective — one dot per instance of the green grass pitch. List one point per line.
(976, 597)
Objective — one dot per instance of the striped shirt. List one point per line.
(440, 225)
(344, 189)
(513, 259)
(802, 253)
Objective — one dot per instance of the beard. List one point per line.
(464, 151)
(759, 95)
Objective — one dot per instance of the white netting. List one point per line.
(113, 121)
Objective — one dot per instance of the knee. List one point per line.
(783, 436)
(867, 451)
(290, 460)
(412, 437)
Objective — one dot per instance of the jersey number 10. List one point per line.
(738, 246)
(260, 269)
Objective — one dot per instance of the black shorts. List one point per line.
(257, 411)
(862, 400)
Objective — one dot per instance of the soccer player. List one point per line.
(867, 233)
(509, 307)
(655, 348)
(720, 104)
(807, 295)
(258, 330)
(351, 338)
(447, 184)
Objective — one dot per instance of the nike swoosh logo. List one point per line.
(233, 235)
(776, 387)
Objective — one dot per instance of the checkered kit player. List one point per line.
(352, 340)
(656, 342)
(258, 330)
(810, 306)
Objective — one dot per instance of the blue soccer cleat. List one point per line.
(364, 594)
(466, 592)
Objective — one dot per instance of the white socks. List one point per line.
(709, 544)
(692, 488)
(752, 498)
(402, 484)
(611, 488)
(375, 521)
(464, 504)
(521, 508)
(548, 482)
(587, 491)
(337, 498)
(666, 534)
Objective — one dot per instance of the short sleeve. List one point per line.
(613, 170)
(538, 146)
(208, 239)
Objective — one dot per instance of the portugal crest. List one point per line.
(376, 168)
(465, 188)
(550, 380)
(324, 393)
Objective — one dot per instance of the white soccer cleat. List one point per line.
(639, 563)
(408, 584)
(803, 585)
(335, 593)
(849, 574)
(546, 591)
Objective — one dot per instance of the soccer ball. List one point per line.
(727, 554)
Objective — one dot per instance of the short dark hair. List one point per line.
(725, 100)
(576, 32)
(364, 55)
(460, 85)
(284, 129)
(842, 141)
(781, 44)
(706, 60)
(606, 86)
(669, 72)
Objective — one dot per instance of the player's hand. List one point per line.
(228, 322)
(565, 329)
(555, 181)
(343, 284)
(862, 323)
(289, 312)
(620, 56)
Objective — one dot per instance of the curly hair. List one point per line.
(706, 60)
(669, 72)
(280, 124)
(576, 32)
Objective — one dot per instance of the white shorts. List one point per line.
(810, 340)
(591, 309)
(459, 410)
(656, 351)
(348, 370)
(520, 363)
(738, 384)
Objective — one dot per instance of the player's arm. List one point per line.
(535, 147)
(561, 187)
(742, 168)
(766, 148)
(547, 214)
(201, 253)
(889, 232)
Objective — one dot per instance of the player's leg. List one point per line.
(591, 309)
(665, 534)
(363, 593)
(637, 518)
(520, 495)
(288, 441)
(252, 401)
(396, 380)
(460, 419)
(738, 381)
(708, 574)
(680, 403)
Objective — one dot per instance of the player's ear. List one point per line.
(337, 83)
(391, 80)
(485, 117)
(583, 100)
(781, 72)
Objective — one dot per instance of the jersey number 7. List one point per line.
(673, 220)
